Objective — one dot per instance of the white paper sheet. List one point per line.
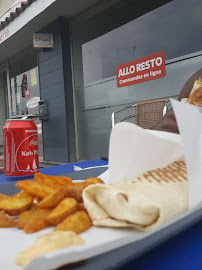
(105, 176)
(176, 138)
(189, 119)
(97, 241)
(134, 150)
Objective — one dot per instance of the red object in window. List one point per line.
(25, 89)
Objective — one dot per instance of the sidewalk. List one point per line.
(1, 164)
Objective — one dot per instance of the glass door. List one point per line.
(3, 106)
(25, 95)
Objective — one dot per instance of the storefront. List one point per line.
(4, 108)
(24, 89)
(123, 32)
(77, 78)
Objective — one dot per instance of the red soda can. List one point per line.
(20, 148)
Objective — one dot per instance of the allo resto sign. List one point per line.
(148, 68)
(43, 40)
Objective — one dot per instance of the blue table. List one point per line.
(60, 169)
(182, 251)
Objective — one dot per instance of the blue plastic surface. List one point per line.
(180, 252)
(59, 169)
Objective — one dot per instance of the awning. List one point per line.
(6, 29)
(27, 17)
(13, 11)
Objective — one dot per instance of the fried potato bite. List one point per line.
(45, 202)
(62, 210)
(24, 218)
(87, 182)
(53, 198)
(34, 188)
(54, 182)
(5, 221)
(36, 220)
(37, 199)
(3, 197)
(34, 206)
(74, 192)
(94, 180)
(16, 204)
(81, 207)
(77, 222)
(81, 185)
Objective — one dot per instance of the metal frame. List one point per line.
(4, 67)
(122, 109)
(165, 109)
(8, 92)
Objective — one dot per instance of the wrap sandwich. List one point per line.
(143, 203)
(195, 97)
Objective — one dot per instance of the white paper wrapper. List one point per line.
(189, 119)
(184, 100)
(134, 150)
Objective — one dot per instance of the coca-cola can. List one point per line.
(20, 148)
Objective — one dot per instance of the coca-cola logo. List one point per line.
(27, 154)
(34, 142)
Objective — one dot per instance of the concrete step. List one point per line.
(1, 149)
(1, 160)
(44, 164)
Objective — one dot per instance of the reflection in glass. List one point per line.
(173, 28)
(24, 87)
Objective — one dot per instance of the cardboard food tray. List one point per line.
(106, 240)
(118, 245)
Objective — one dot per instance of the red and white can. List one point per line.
(20, 148)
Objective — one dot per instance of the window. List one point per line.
(25, 93)
(116, 33)
(173, 28)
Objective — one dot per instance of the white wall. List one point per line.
(4, 5)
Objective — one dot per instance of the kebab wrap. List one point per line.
(143, 203)
(196, 97)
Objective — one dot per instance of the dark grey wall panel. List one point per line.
(58, 131)
(51, 64)
(57, 90)
(66, 51)
(52, 78)
(56, 155)
(56, 143)
(56, 116)
(54, 91)
(57, 103)
(57, 43)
